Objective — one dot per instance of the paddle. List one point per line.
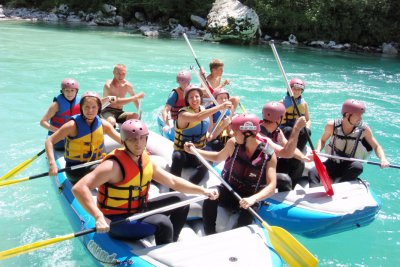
(323, 174)
(140, 109)
(210, 89)
(291, 250)
(10, 182)
(357, 160)
(43, 243)
(21, 166)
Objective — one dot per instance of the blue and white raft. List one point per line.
(309, 211)
(167, 134)
(245, 246)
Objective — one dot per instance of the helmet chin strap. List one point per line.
(356, 124)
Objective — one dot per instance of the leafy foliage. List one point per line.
(355, 21)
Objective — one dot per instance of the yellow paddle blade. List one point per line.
(33, 246)
(291, 250)
(10, 182)
(21, 166)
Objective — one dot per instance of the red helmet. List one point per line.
(220, 91)
(273, 111)
(297, 83)
(190, 88)
(90, 94)
(133, 128)
(246, 123)
(69, 83)
(353, 106)
(183, 76)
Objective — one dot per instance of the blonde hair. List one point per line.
(119, 66)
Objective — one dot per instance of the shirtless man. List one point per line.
(115, 90)
(214, 78)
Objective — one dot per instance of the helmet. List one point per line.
(220, 91)
(273, 111)
(69, 83)
(190, 88)
(246, 123)
(353, 106)
(183, 76)
(90, 94)
(133, 128)
(297, 83)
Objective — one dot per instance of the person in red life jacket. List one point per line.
(64, 106)
(123, 179)
(250, 169)
(84, 135)
(297, 86)
(349, 137)
(192, 125)
(116, 90)
(290, 165)
(175, 99)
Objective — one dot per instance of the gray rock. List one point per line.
(198, 22)
(231, 20)
(389, 49)
(139, 16)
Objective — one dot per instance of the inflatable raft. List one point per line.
(247, 246)
(309, 211)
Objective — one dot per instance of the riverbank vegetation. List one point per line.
(365, 22)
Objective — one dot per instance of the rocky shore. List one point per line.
(227, 21)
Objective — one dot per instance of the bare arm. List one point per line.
(121, 101)
(68, 129)
(291, 144)
(51, 112)
(164, 114)
(132, 93)
(269, 190)
(187, 117)
(107, 171)
(110, 131)
(307, 116)
(214, 156)
(328, 131)
(376, 147)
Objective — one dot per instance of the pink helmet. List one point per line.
(246, 123)
(90, 94)
(183, 76)
(69, 83)
(190, 88)
(353, 106)
(297, 83)
(220, 91)
(133, 128)
(273, 111)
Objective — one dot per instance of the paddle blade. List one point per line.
(33, 246)
(291, 250)
(323, 174)
(21, 166)
(10, 182)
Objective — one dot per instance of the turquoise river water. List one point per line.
(34, 58)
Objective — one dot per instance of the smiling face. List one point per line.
(90, 107)
(194, 99)
(221, 98)
(296, 91)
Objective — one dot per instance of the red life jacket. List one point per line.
(180, 103)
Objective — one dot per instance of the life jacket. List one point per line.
(223, 137)
(291, 114)
(246, 174)
(195, 132)
(66, 109)
(180, 103)
(131, 194)
(274, 136)
(352, 145)
(88, 144)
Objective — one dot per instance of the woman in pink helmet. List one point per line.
(64, 106)
(250, 169)
(290, 165)
(123, 180)
(84, 135)
(297, 85)
(192, 125)
(349, 137)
